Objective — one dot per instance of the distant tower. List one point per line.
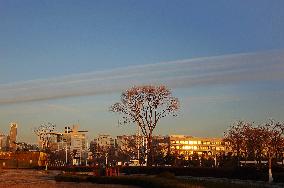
(13, 136)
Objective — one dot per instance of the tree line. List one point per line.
(257, 142)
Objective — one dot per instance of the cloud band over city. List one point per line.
(225, 69)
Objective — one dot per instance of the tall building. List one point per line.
(78, 144)
(4, 142)
(13, 137)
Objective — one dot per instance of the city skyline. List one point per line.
(67, 63)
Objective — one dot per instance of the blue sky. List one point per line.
(45, 42)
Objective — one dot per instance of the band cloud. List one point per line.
(225, 69)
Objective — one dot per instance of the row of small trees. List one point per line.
(257, 142)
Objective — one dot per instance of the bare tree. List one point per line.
(235, 137)
(264, 140)
(44, 134)
(146, 105)
(273, 142)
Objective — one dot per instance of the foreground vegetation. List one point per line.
(163, 180)
(243, 173)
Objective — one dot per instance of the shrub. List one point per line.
(166, 174)
(244, 173)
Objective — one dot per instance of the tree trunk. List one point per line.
(149, 150)
(238, 158)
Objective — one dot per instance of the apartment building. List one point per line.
(104, 141)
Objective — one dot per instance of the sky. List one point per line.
(67, 62)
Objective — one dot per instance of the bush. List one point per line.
(244, 173)
(278, 177)
(141, 181)
(166, 175)
(150, 181)
(70, 178)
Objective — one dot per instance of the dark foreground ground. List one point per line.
(43, 179)
(18, 178)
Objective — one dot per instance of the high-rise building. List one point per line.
(3, 142)
(13, 137)
(78, 144)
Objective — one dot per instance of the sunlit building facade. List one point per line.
(78, 145)
(126, 142)
(13, 137)
(105, 141)
(72, 141)
(3, 142)
(22, 159)
(9, 142)
(188, 145)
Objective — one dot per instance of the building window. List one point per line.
(187, 147)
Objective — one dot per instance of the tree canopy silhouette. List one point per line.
(264, 140)
(146, 106)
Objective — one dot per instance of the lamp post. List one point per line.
(66, 155)
(106, 155)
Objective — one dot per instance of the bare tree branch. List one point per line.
(146, 105)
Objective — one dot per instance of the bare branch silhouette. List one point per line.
(146, 105)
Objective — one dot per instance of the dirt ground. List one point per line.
(41, 179)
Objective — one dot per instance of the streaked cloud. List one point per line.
(225, 69)
(211, 99)
(62, 108)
